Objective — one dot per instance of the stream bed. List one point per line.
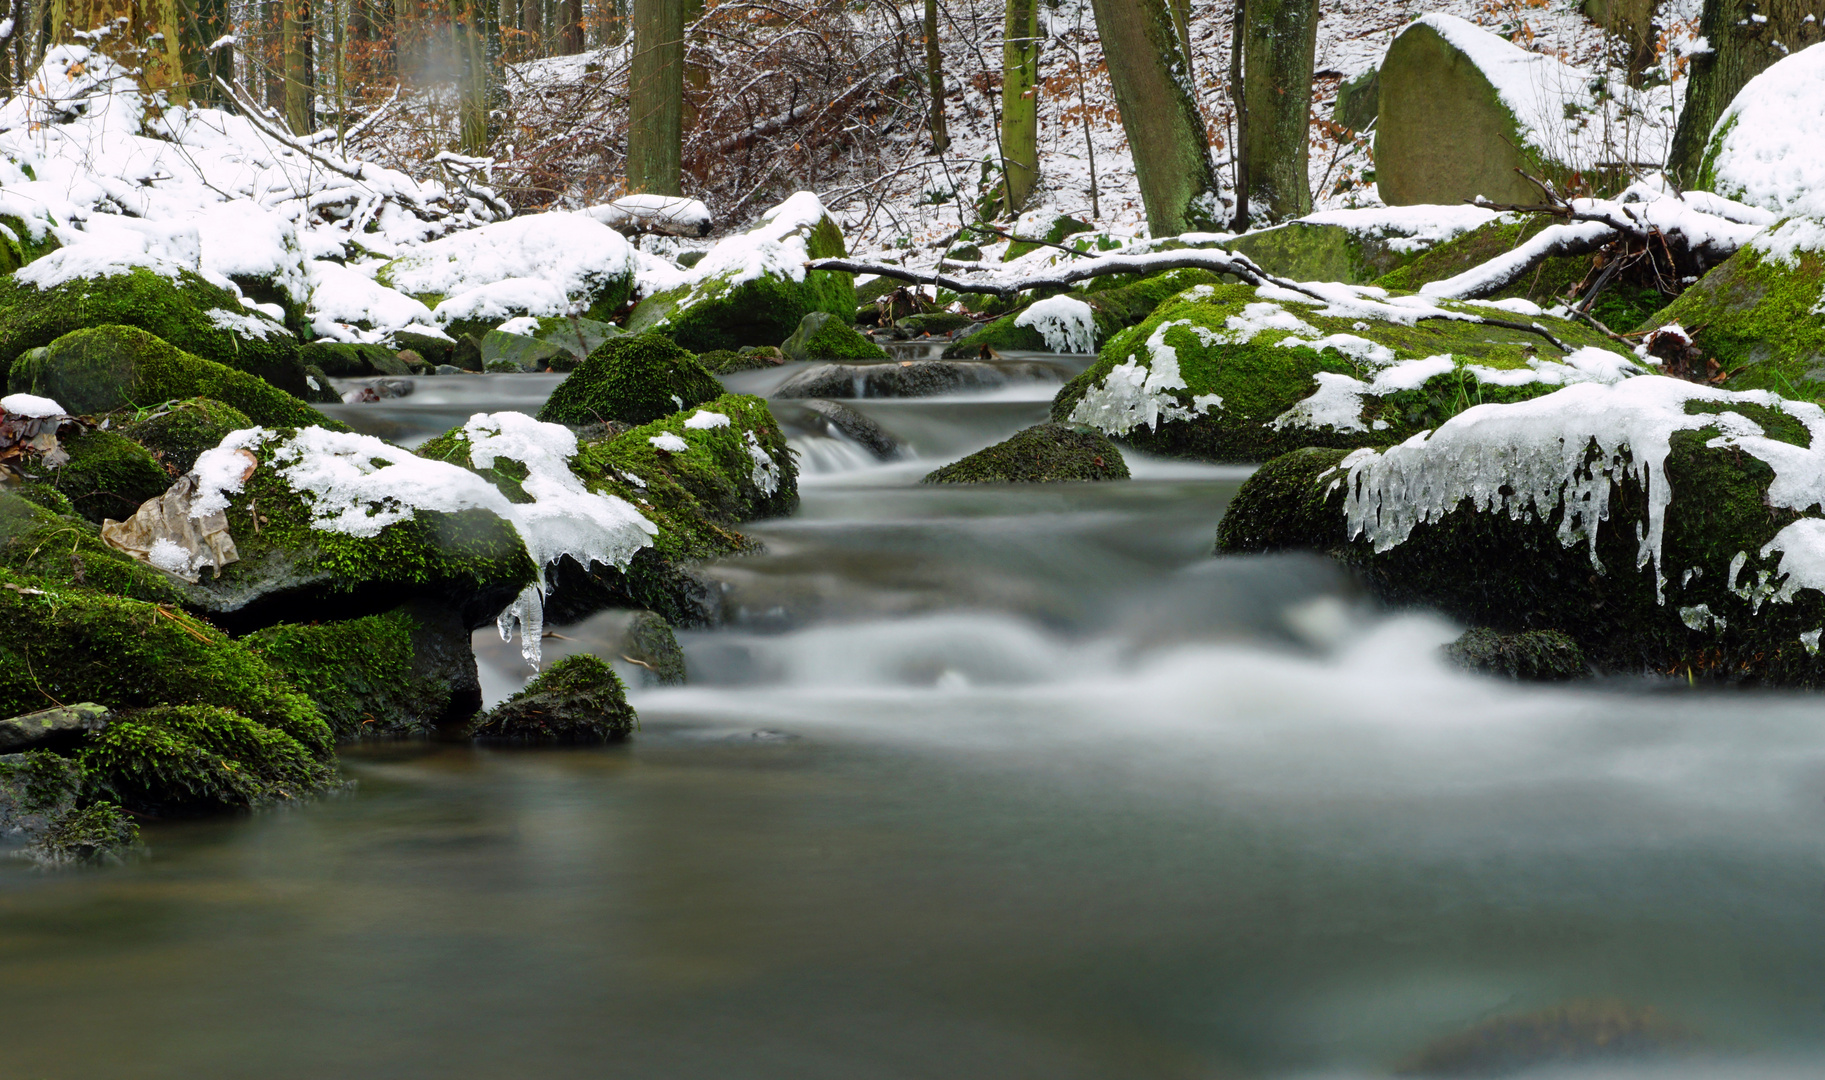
(976, 782)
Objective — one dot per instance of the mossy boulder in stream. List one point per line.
(1529, 656)
(752, 288)
(61, 548)
(177, 432)
(1761, 313)
(1221, 373)
(1662, 525)
(633, 379)
(185, 310)
(1044, 454)
(823, 336)
(1077, 321)
(46, 806)
(579, 699)
(115, 367)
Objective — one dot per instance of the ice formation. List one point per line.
(1134, 395)
(1067, 324)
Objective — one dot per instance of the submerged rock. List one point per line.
(1044, 454)
(1573, 1034)
(107, 368)
(752, 288)
(45, 806)
(909, 379)
(579, 699)
(855, 426)
(823, 336)
(1233, 373)
(1530, 656)
(1662, 525)
(633, 379)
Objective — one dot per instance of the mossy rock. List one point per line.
(1279, 377)
(635, 379)
(1056, 231)
(435, 350)
(65, 550)
(1046, 453)
(1358, 101)
(875, 288)
(729, 361)
(1113, 308)
(68, 643)
(720, 312)
(1713, 600)
(823, 336)
(189, 759)
(1530, 656)
(46, 804)
(177, 432)
(935, 322)
(524, 352)
(108, 475)
(649, 642)
(189, 313)
(22, 241)
(346, 361)
(576, 335)
(1759, 313)
(579, 699)
(106, 368)
(409, 671)
(1310, 251)
(472, 561)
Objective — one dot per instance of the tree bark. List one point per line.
(1166, 138)
(570, 41)
(655, 121)
(300, 68)
(476, 29)
(934, 78)
(1020, 101)
(1279, 44)
(1741, 49)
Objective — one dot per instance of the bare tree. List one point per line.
(1020, 101)
(1279, 43)
(655, 94)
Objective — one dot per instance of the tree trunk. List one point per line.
(272, 52)
(655, 98)
(571, 40)
(934, 78)
(1278, 47)
(532, 25)
(300, 68)
(1166, 136)
(1741, 49)
(1020, 101)
(478, 48)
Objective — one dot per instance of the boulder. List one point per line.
(909, 379)
(1552, 283)
(635, 379)
(1461, 109)
(935, 322)
(834, 417)
(408, 671)
(56, 728)
(1077, 322)
(1662, 525)
(432, 349)
(1529, 656)
(182, 309)
(172, 760)
(1221, 374)
(1358, 101)
(552, 264)
(647, 641)
(56, 546)
(1044, 454)
(579, 699)
(23, 239)
(347, 361)
(752, 288)
(747, 358)
(506, 352)
(1760, 314)
(44, 805)
(575, 334)
(178, 432)
(107, 368)
(823, 336)
(107, 475)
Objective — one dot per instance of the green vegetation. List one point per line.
(1115, 306)
(1047, 453)
(823, 336)
(178, 432)
(107, 475)
(636, 379)
(1530, 656)
(578, 699)
(177, 759)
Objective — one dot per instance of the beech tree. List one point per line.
(1279, 44)
(1020, 101)
(934, 77)
(655, 98)
(1151, 74)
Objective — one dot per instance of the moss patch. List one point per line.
(178, 432)
(182, 759)
(578, 699)
(1046, 453)
(1530, 656)
(60, 549)
(1546, 286)
(635, 379)
(114, 367)
(108, 475)
(1114, 308)
(823, 336)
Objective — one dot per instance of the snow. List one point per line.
(1407, 228)
(541, 264)
(1768, 147)
(345, 302)
(776, 245)
(30, 405)
(525, 325)
(1067, 324)
(1785, 243)
(766, 474)
(168, 555)
(703, 419)
(1533, 457)
(1336, 404)
(667, 213)
(1134, 395)
(1492, 275)
(668, 442)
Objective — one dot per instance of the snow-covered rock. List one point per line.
(1768, 147)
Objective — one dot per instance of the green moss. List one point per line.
(1055, 233)
(20, 244)
(1304, 251)
(1260, 379)
(344, 360)
(823, 336)
(113, 367)
(178, 432)
(178, 759)
(729, 361)
(1776, 423)
(1114, 308)
(635, 379)
(1047, 453)
(577, 699)
(1760, 320)
(38, 782)
(98, 833)
(176, 311)
(108, 475)
(935, 322)
(64, 550)
(74, 644)
(1530, 656)
(368, 676)
(1546, 286)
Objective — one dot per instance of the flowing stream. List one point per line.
(976, 782)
